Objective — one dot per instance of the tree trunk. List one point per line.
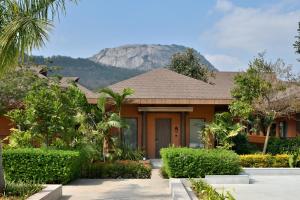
(267, 139)
(105, 147)
(2, 181)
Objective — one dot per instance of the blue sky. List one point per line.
(228, 33)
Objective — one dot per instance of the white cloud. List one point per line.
(224, 62)
(224, 5)
(246, 31)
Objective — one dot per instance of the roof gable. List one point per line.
(165, 84)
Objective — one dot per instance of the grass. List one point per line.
(20, 191)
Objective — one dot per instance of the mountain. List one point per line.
(141, 56)
(92, 75)
(112, 65)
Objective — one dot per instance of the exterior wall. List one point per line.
(5, 126)
(205, 112)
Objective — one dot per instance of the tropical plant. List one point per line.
(15, 85)
(117, 98)
(25, 25)
(261, 90)
(189, 64)
(223, 129)
(49, 114)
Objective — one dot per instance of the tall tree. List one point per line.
(266, 90)
(189, 64)
(297, 42)
(24, 26)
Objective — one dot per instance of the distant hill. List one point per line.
(142, 56)
(112, 65)
(91, 74)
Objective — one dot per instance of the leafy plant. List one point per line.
(283, 146)
(128, 169)
(294, 159)
(187, 162)
(20, 189)
(264, 160)
(222, 129)
(41, 165)
(206, 192)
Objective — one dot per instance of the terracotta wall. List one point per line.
(5, 126)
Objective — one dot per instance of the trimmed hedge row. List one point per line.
(283, 146)
(130, 169)
(41, 165)
(187, 162)
(264, 160)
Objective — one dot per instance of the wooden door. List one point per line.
(162, 134)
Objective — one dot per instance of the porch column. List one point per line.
(182, 128)
(144, 131)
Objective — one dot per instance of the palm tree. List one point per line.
(118, 98)
(24, 26)
(107, 121)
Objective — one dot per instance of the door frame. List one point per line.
(175, 124)
(156, 140)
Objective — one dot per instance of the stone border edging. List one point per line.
(271, 171)
(178, 190)
(227, 179)
(50, 192)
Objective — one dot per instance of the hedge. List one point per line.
(187, 162)
(283, 146)
(129, 169)
(264, 160)
(40, 165)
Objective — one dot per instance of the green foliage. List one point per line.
(242, 145)
(189, 64)
(264, 160)
(294, 159)
(283, 146)
(15, 85)
(127, 169)
(297, 42)
(21, 190)
(125, 152)
(186, 162)
(41, 166)
(206, 192)
(50, 114)
(222, 129)
(24, 26)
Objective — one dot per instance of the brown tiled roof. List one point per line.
(166, 84)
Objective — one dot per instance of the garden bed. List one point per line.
(20, 191)
(117, 169)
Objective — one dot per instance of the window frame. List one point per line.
(189, 124)
(137, 132)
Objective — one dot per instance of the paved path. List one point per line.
(265, 188)
(124, 189)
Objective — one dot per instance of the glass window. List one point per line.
(196, 125)
(283, 129)
(130, 134)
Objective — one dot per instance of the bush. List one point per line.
(283, 146)
(41, 165)
(128, 169)
(242, 145)
(21, 190)
(264, 160)
(187, 162)
(206, 192)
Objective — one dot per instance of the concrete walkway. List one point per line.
(86, 189)
(282, 187)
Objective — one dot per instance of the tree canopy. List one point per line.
(265, 89)
(189, 64)
(297, 42)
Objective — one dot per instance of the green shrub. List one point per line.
(128, 169)
(206, 192)
(283, 146)
(264, 160)
(187, 162)
(41, 165)
(242, 145)
(21, 190)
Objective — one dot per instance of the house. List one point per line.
(168, 108)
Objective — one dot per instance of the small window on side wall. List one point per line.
(283, 129)
(196, 126)
(130, 134)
